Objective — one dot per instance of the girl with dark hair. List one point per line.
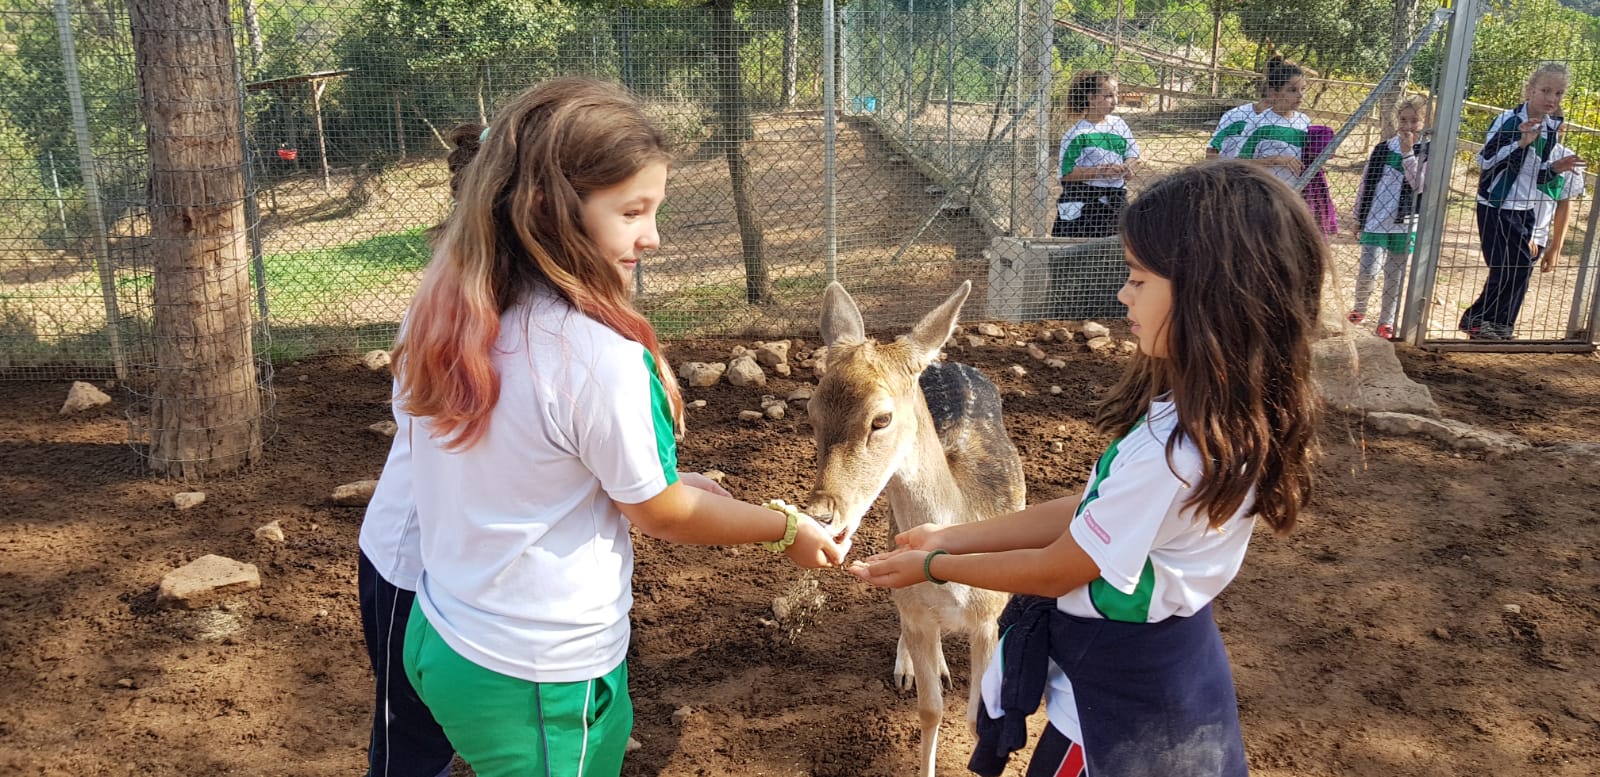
(1097, 154)
(539, 419)
(1276, 138)
(1215, 423)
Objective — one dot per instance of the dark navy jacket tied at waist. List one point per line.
(1153, 699)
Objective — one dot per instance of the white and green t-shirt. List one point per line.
(1564, 186)
(1157, 558)
(1400, 167)
(527, 562)
(1229, 135)
(1108, 142)
(1270, 134)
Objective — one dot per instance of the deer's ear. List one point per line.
(930, 334)
(841, 319)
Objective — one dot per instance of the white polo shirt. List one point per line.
(1157, 559)
(527, 560)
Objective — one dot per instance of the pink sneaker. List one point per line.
(1384, 331)
(1356, 317)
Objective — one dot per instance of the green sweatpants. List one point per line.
(508, 727)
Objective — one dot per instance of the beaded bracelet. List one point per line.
(790, 529)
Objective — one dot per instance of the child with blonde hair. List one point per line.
(1386, 213)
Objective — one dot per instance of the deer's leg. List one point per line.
(905, 677)
(920, 637)
(982, 641)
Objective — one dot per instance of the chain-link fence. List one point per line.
(942, 160)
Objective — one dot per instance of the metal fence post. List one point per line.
(91, 188)
(830, 134)
(1436, 183)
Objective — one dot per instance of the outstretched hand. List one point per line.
(894, 569)
(921, 537)
(813, 547)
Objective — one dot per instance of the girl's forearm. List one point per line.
(1052, 570)
(689, 515)
(1036, 526)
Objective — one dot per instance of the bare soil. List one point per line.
(1433, 615)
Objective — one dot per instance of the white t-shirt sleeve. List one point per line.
(622, 426)
(1119, 526)
(1133, 145)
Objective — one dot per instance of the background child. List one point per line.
(1276, 138)
(1097, 154)
(1552, 212)
(1515, 161)
(540, 417)
(1228, 137)
(1215, 422)
(1386, 213)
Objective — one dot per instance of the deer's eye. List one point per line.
(882, 421)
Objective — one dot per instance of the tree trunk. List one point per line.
(252, 31)
(733, 120)
(483, 83)
(791, 54)
(205, 410)
(1216, 45)
(1402, 25)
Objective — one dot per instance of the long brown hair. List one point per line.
(517, 225)
(1246, 261)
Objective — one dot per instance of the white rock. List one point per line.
(1055, 389)
(702, 375)
(376, 360)
(1101, 344)
(991, 330)
(783, 369)
(819, 361)
(1093, 329)
(386, 427)
(801, 394)
(1057, 447)
(1453, 433)
(1064, 334)
(697, 404)
(633, 744)
(715, 475)
(751, 415)
(1055, 364)
(768, 399)
(1018, 370)
(272, 532)
(1512, 608)
(681, 714)
(187, 499)
(738, 351)
(83, 396)
(744, 372)
(205, 578)
(774, 353)
(974, 341)
(775, 412)
(1036, 352)
(355, 494)
(1361, 372)
(1128, 347)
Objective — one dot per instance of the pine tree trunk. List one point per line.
(733, 119)
(791, 54)
(205, 410)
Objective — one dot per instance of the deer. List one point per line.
(892, 418)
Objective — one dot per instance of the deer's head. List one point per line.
(868, 413)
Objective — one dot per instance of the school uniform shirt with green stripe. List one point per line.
(1087, 144)
(1563, 186)
(1270, 134)
(1157, 559)
(1229, 136)
(1382, 226)
(527, 562)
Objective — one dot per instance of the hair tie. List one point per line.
(483, 137)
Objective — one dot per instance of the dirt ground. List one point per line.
(1434, 615)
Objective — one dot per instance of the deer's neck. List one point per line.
(924, 489)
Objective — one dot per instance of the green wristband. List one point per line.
(927, 567)
(791, 529)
